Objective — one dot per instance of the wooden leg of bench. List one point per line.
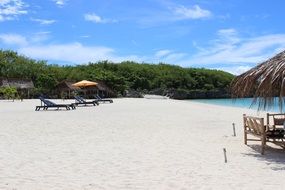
(244, 129)
(245, 138)
(263, 143)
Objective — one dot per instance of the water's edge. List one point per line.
(240, 102)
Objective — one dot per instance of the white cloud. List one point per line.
(97, 19)
(166, 56)
(229, 35)
(43, 21)
(233, 53)
(229, 52)
(74, 53)
(93, 17)
(10, 9)
(236, 70)
(60, 3)
(174, 58)
(13, 39)
(240, 69)
(232, 49)
(162, 53)
(39, 37)
(171, 12)
(84, 36)
(227, 31)
(194, 12)
(21, 41)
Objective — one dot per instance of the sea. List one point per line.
(239, 102)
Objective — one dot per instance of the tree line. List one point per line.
(127, 75)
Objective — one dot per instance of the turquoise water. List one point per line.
(240, 102)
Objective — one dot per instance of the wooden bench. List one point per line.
(277, 119)
(256, 127)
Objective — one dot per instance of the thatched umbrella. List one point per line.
(85, 83)
(265, 82)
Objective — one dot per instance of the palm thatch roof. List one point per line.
(103, 87)
(17, 83)
(265, 82)
(67, 85)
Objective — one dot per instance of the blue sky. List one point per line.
(232, 35)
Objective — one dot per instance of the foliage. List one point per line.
(8, 92)
(118, 76)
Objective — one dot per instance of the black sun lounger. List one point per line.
(81, 101)
(99, 99)
(49, 104)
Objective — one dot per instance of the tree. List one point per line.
(9, 92)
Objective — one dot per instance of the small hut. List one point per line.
(23, 86)
(65, 89)
(104, 90)
(100, 88)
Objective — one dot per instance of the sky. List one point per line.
(229, 35)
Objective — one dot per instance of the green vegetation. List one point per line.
(9, 92)
(118, 76)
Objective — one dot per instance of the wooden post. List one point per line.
(234, 129)
(263, 137)
(225, 155)
(244, 129)
(267, 119)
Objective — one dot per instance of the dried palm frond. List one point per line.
(265, 82)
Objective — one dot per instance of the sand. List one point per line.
(155, 144)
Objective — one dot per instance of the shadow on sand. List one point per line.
(273, 156)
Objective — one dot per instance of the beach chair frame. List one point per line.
(80, 101)
(46, 104)
(99, 99)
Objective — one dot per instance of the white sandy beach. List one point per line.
(155, 144)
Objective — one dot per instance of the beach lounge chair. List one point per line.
(80, 101)
(99, 99)
(49, 104)
(256, 127)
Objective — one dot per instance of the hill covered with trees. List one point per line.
(151, 78)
